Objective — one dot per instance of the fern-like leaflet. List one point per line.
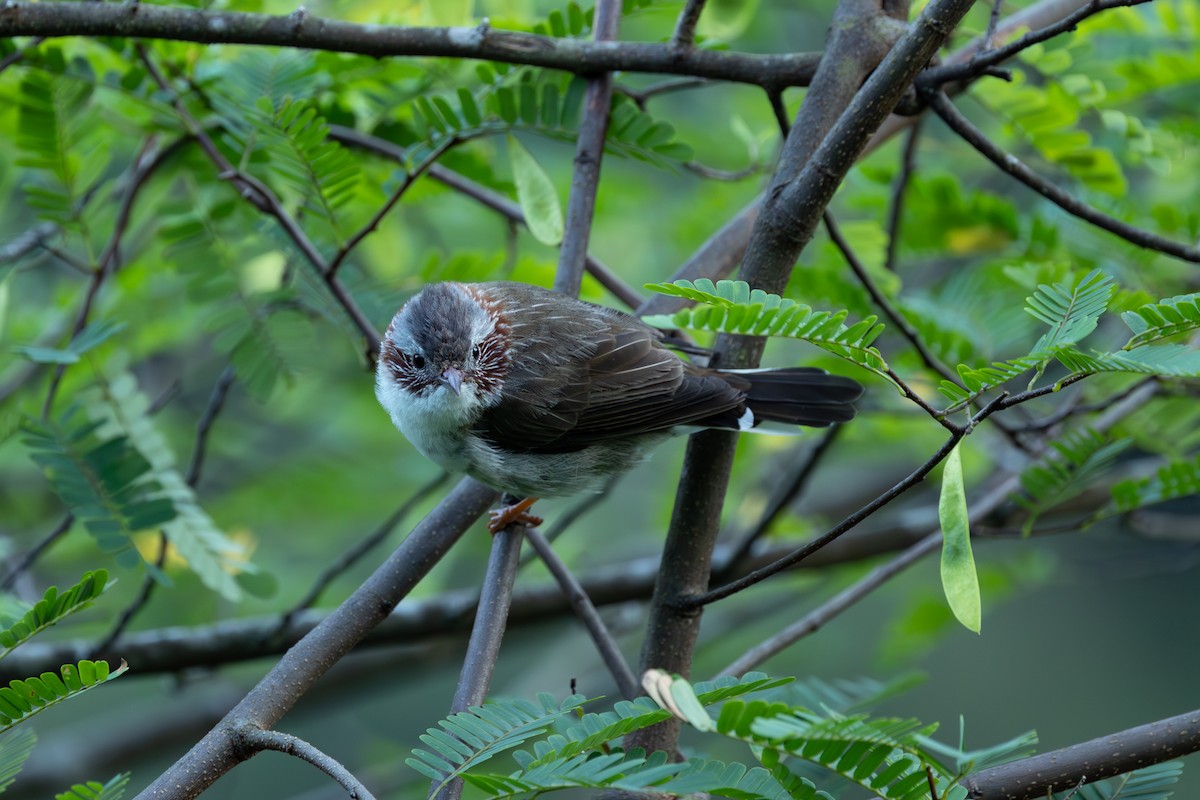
(1155, 321)
(50, 126)
(53, 607)
(473, 736)
(1156, 782)
(1072, 312)
(121, 410)
(1171, 481)
(21, 699)
(90, 337)
(106, 483)
(732, 307)
(470, 738)
(15, 749)
(1079, 458)
(114, 789)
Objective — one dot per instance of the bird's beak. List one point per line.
(452, 377)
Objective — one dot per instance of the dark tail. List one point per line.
(795, 396)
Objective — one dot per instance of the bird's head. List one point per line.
(448, 345)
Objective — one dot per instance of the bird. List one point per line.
(538, 394)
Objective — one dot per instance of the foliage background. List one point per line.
(1083, 632)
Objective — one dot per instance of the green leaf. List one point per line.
(14, 751)
(121, 410)
(1155, 321)
(1076, 461)
(105, 482)
(1071, 312)
(959, 579)
(90, 337)
(539, 202)
(1171, 481)
(94, 790)
(53, 607)
(21, 699)
(732, 307)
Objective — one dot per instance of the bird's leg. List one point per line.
(510, 513)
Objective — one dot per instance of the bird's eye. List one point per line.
(475, 352)
(419, 361)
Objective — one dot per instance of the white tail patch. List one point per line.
(746, 420)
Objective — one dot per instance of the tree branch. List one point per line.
(589, 152)
(307, 31)
(484, 196)
(309, 659)
(491, 620)
(260, 739)
(684, 38)
(1103, 757)
(582, 605)
(1009, 163)
(177, 649)
(983, 60)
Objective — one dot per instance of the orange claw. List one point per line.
(501, 518)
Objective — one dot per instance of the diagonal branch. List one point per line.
(583, 607)
(255, 192)
(589, 151)
(983, 60)
(1009, 163)
(303, 665)
(684, 38)
(1100, 758)
(484, 196)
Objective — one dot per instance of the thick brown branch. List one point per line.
(1094, 760)
(302, 30)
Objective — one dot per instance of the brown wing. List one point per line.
(582, 374)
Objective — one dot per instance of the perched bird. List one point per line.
(539, 395)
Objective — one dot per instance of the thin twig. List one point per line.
(816, 619)
(484, 196)
(727, 176)
(18, 54)
(259, 739)
(779, 109)
(34, 553)
(410, 177)
(643, 96)
(898, 321)
(795, 480)
(899, 190)
(1009, 163)
(109, 261)
(988, 57)
(216, 402)
(1077, 409)
(350, 556)
(25, 243)
(586, 611)
(850, 522)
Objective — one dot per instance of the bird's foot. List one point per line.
(501, 518)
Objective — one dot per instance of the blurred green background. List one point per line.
(1083, 633)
